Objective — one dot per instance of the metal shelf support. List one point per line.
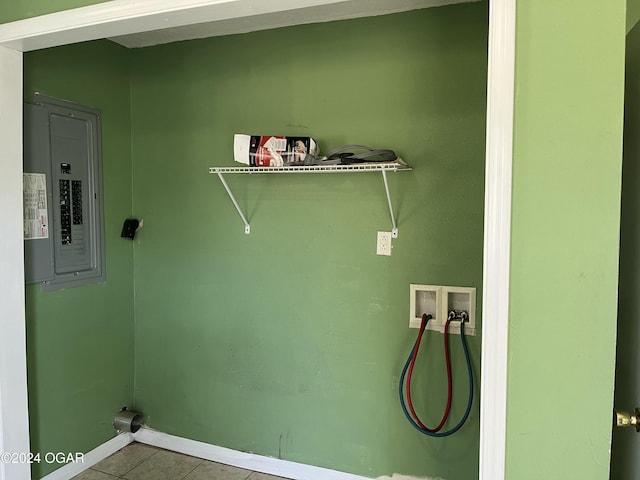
(398, 165)
(394, 230)
(247, 227)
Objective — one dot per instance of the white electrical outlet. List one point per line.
(384, 243)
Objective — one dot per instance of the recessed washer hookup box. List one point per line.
(273, 151)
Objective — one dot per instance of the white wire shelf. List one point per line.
(356, 167)
(383, 167)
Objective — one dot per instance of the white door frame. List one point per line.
(14, 420)
(497, 238)
(119, 17)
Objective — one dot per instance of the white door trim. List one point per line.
(63, 27)
(497, 238)
(14, 419)
(124, 17)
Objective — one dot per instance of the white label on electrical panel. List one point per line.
(36, 219)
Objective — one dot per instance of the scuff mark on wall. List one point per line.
(283, 443)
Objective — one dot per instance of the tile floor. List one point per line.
(143, 462)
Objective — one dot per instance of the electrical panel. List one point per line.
(64, 227)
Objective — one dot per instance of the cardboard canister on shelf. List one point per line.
(274, 150)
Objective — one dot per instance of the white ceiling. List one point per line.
(252, 19)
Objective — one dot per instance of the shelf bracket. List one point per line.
(247, 227)
(395, 166)
(394, 230)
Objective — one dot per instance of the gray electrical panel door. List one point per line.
(38, 245)
(64, 247)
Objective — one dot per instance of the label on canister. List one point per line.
(273, 150)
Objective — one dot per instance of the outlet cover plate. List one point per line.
(384, 243)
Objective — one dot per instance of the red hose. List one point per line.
(449, 381)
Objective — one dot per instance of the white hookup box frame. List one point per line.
(438, 301)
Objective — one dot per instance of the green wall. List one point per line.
(80, 340)
(565, 228)
(340, 338)
(289, 342)
(633, 13)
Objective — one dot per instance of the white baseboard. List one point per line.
(96, 455)
(249, 461)
(206, 451)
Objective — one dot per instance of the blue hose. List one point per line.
(469, 403)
